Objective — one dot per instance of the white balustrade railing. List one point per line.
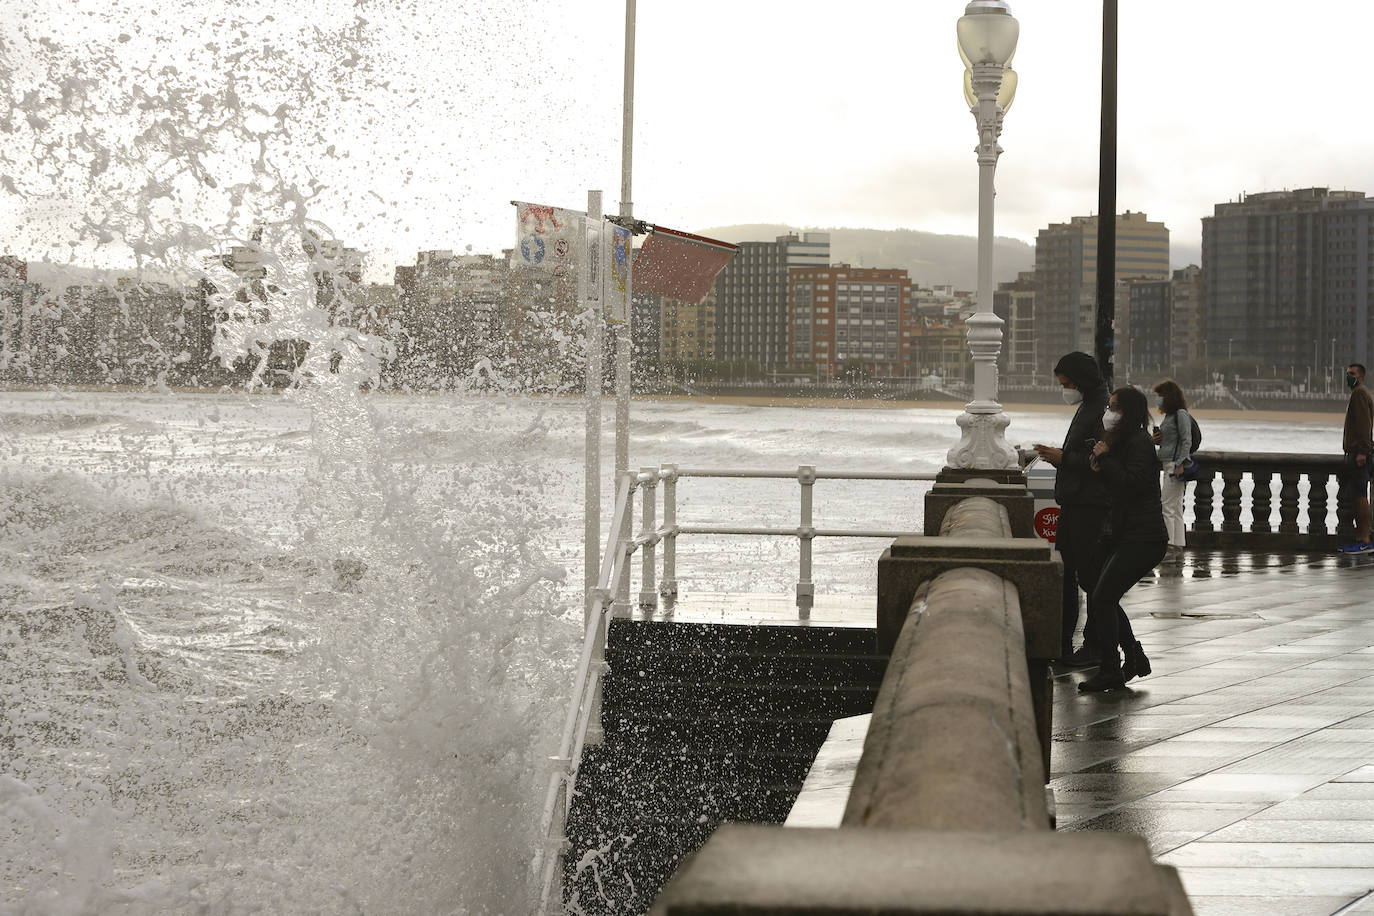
(805, 531)
(583, 722)
(611, 597)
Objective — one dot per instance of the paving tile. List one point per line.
(1271, 855)
(1279, 764)
(1215, 787)
(1364, 790)
(1277, 882)
(1184, 822)
(1362, 906)
(1320, 809)
(1267, 906)
(1312, 831)
(1183, 767)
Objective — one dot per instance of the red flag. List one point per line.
(679, 265)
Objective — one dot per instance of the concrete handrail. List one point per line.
(952, 742)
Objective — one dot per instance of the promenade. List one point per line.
(1247, 758)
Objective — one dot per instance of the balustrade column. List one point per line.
(1230, 500)
(1288, 501)
(1261, 504)
(648, 594)
(1316, 503)
(1202, 502)
(1345, 516)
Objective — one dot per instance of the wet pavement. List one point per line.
(1246, 758)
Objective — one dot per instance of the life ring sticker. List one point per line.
(1047, 523)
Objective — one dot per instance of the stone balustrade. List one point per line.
(1304, 517)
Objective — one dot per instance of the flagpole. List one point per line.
(589, 302)
(622, 340)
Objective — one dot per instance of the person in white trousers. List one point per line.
(1174, 444)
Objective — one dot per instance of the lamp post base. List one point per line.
(983, 445)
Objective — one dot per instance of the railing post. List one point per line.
(668, 588)
(1202, 502)
(595, 734)
(625, 547)
(806, 531)
(1261, 501)
(648, 595)
(1316, 504)
(1230, 500)
(1288, 502)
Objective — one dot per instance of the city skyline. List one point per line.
(420, 127)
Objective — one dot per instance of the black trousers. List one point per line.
(1079, 541)
(1108, 626)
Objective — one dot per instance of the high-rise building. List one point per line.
(1014, 303)
(1150, 317)
(751, 297)
(848, 317)
(1185, 317)
(1287, 279)
(1066, 277)
(688, 332)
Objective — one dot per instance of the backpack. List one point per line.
(1197, 433)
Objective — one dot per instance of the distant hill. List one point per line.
(930, 258)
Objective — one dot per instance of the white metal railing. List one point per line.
(805, 531)
(583, 723)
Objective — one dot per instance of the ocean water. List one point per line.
(308, 653)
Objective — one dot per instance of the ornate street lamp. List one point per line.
(987, 42)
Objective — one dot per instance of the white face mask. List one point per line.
(1072, 396)
(1110, 419)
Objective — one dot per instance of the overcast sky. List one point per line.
(793, 111)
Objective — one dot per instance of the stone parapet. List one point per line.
(747, 870)
(953, 743)
(1016, 499)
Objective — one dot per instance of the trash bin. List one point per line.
(1040, 479)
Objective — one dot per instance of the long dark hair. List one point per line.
(1135, 414)
(1172, 396)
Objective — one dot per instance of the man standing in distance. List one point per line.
(1357, 443)
(1080, 493)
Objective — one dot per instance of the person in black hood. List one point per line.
(1080, 493)
(1135, 539)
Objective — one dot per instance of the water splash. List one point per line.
(347, 715)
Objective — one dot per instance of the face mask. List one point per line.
(1159, 403)
(1072, 396)
(1351, 381)
(1110, 419)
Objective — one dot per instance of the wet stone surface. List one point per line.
(1246, 758)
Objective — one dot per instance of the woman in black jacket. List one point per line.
(1080, 494)
(1135, 539)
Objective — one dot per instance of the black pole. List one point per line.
(1104, 343)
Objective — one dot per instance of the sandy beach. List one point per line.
(1295, 416)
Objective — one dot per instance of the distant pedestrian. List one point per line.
(1174, 443)
(1358, 443)
(1080, 493)
(1134, 541)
